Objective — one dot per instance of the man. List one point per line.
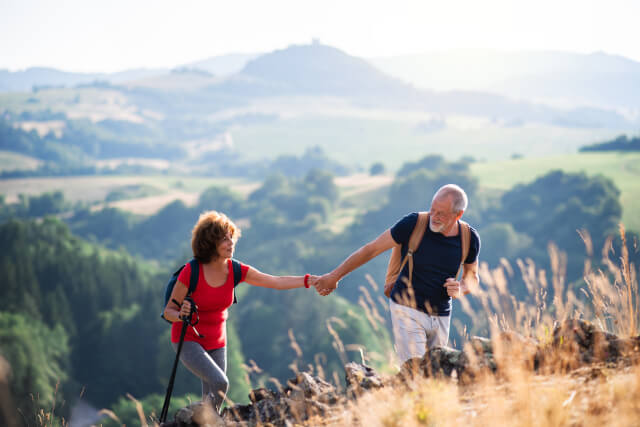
(420, 311)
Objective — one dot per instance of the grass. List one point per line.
(92, 103)
(94, 189)
(622, 168)
(363, 141)
(10, 161)
(595, 395)
(358, 193)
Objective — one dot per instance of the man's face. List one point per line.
(441, 216)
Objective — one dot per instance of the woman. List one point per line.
(204, 352)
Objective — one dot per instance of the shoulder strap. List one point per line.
(396, 264)
(465, 236)
(414, 241)
(237, 272)
(237, 277)
(195, 273)
(418, 231)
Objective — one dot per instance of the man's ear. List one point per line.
(459, 215)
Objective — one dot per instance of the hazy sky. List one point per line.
(87, 35)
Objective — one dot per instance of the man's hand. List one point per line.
(325, 284)
(388, 287)
(453, 287)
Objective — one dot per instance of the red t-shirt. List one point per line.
(212, 307)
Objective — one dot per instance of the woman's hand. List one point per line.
(185, 309)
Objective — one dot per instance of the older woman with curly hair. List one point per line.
(204, 351)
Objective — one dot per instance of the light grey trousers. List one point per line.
(210, 366)
(415, 331)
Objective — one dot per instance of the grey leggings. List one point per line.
(210, 366)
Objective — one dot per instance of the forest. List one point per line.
(83, 288)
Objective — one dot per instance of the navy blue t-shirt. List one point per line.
(436, 259)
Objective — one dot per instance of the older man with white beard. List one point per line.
(421, 295)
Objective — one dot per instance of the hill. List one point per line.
(223, 65)
(560, 78)
(25, 81)
(320, 70)
(286, 102)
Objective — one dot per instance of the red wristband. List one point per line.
(306, 280)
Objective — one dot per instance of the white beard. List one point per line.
(435, 228)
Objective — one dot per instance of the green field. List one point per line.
(622, 168)
(393, 141)
(10, 161)
(94, 189)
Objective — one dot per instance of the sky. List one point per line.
(114, 35)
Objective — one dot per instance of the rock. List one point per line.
(589, 373)
(443, 361)
(198, 414)
(479, 352)
(410, 369)
(184, 416)
(581, 342)
(362, 376)
(262, 393)
(305, 396)
(307, 399)
(481, 345)
(306, 386)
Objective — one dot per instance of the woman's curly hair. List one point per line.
(211, 229)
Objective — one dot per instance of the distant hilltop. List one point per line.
(554, 78)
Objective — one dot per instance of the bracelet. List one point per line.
(306, 280)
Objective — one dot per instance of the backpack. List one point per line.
(395, 266)
(193, 281)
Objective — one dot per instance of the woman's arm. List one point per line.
(257, 278)
(172, 312)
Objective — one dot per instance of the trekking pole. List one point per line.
(185, 324)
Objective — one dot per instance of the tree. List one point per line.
(377, 169)
(38, 356)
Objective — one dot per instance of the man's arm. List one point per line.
(470, 278)
(468, 282)
(329, 282)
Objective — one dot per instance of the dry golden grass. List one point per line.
(558, 395)
(610, 399)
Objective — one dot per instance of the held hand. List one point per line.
(388, 287)
(325, 285)
(185, 310)
(311, 281)
(453, 287)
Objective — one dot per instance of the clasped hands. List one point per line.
(324, 284)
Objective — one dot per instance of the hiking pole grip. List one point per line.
(167, 398)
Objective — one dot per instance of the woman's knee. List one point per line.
(221, 383)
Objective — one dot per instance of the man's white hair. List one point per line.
(457, 194)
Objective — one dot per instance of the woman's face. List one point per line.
(225, 246)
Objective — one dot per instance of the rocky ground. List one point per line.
(577, 351)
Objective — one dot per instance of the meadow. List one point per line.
(365, 140)
(95, 188)
(622, 168)
(10, 161)
(358, 192)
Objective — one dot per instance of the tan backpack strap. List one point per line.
(465, 236)
(415, 239)
(395, 263)
(418, 231)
